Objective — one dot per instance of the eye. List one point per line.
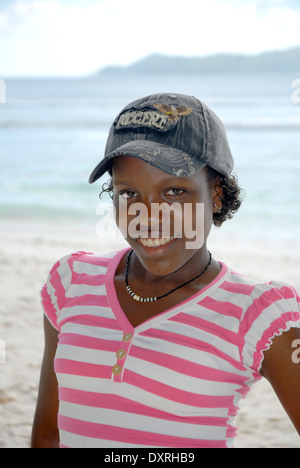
(127, 194)
(174, 192)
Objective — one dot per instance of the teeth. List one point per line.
(156, 242)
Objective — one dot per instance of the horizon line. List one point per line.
(98, 71)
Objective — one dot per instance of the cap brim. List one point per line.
(168, 159)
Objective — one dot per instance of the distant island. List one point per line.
(274, 61)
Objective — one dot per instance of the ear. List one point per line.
(217, 196)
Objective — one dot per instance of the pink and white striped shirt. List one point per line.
(175, 380)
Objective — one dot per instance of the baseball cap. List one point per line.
(176, 133)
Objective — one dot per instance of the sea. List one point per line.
(53, 133)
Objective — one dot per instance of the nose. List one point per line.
(158, 219)
(149, 220)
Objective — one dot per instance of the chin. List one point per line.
(164, 259)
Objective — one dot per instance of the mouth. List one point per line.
(154, 243)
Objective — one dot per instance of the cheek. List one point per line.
(122, 223)
(130, 218)
(197, 220)
(208, 216)
(121, 215)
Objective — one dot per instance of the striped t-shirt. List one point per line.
(173, 381)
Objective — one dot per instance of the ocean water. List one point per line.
(53, 133)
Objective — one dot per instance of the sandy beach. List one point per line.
(28, 252)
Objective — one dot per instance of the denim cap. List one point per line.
(173, 132)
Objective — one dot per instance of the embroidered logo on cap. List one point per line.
(162, 121)
(173, 113)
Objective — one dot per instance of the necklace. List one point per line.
(154, 299)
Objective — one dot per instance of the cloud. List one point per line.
(54, 37)
(293, 4)
(48, 37)
(264, 6)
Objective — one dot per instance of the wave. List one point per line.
(85, 124)
(60, 103)
(104, 125)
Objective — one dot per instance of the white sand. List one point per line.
(27, 252)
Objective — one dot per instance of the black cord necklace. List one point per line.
(154, 299)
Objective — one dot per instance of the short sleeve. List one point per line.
(55, 290)
(275, 309)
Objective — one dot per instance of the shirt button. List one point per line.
(127, 337)
(117, 369)
(121, 354)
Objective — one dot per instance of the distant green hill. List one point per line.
(275, 61)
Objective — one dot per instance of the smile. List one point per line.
(155, 242)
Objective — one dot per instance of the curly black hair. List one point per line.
(232, 194)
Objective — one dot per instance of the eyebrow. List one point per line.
(173, 180)
(121, 181)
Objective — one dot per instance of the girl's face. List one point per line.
(164, 239)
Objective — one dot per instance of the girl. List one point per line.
(155, 345)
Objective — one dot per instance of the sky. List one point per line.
(79, 37)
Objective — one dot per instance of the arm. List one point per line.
(45, 431)
(282, 369)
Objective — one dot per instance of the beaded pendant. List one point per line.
(138, 298)
(154, 299)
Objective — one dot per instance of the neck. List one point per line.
(192, 267)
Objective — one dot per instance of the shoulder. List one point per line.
(259, 294)
(84, 260)
(275, 302)
(262, 304)
(73, 274)
(266, 311)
